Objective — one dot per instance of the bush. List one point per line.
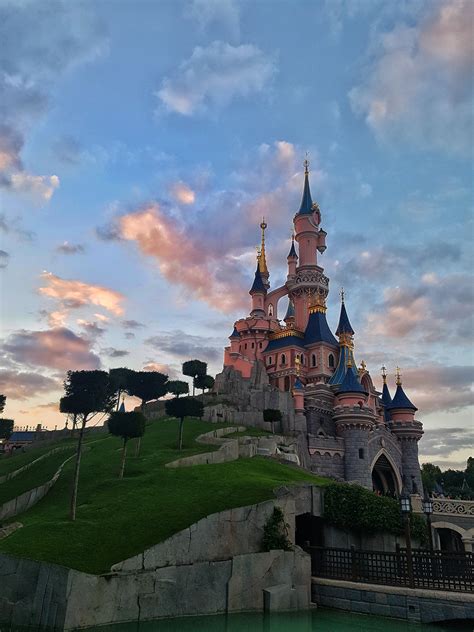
(275, 532)
(358, 509)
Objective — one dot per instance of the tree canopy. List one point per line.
(203, 382)
(88, 392)
(3, 400)
(147, 385)
(6, 428)
(178, 387)
(127, 426)
(181, 408)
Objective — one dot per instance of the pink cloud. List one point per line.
(183, 193)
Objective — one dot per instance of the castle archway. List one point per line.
(385, 477)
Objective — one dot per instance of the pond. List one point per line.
(320, 620)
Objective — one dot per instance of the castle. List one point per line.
(352, 432)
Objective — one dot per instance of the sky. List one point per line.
(141, 142)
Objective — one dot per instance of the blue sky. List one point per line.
(141, 142)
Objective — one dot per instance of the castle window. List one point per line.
(270, 310)
(245, 347)
(259, 345)
(361, 453)
(269, 360)
(283, 358)
(313, 360)
(253, 345)
(331, 361)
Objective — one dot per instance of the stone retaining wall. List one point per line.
(413, 604)
(31, 497)
(228, 450)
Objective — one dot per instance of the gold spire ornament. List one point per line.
(399, 377)
(317, 304)
(262, 262)
(306, 163)
(342, 295)
(297, 365)
(384, 374)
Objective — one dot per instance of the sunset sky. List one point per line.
(142, 141)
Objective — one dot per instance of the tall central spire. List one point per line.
(306, 207)
(262, 262)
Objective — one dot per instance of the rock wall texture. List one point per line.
(425, 606)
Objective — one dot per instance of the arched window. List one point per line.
(270, 310)
(253, 345)
(287, 383)
(283, 358)
(245, 346)
(313, 360)
(331, 361)
(259, 345)
(269, 360)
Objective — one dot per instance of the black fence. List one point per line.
(437, 570)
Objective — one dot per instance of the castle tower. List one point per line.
(346, 346)
(354, 421)
(408, 431)
(258, 292)
(262, 261)
(319, 342)
(309, 279)
(386, 398)
(292, 259)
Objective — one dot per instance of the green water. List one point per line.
(320, 620)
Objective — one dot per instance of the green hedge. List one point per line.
(358, 509)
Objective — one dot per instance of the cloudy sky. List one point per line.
(141, 142)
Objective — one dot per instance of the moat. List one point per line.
(320, 620)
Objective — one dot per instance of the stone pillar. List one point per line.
(468, 544)
(409, 433)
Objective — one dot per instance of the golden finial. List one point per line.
(297, 365)
(306, 164)
(317, 304)
(399, 377)
(384, 374)
(363, 365)
(342, 295)
(349, 361)
(262, 262)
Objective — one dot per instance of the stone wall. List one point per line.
(413, 604)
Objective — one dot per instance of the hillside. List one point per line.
(117, 519)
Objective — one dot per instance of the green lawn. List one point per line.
(117, 519)
(19, 459)
(250, 432)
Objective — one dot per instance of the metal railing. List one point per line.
(437, 570)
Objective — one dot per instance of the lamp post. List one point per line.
(405, 508)
(428, 510)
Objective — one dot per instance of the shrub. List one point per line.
(275, 532)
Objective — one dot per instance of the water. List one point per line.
(320, 620)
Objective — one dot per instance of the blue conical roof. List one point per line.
(234, 334)
(351, 384)
(306, 201)
(292, 253)
(346, 358)
(258, 285)
(386, 401)
(344, 326)
(400, 400)
(122, 407)
(298, 385)
(290, 312)
(317, 330)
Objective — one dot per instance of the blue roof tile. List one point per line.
(317, 330)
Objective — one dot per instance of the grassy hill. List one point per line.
(119, 518)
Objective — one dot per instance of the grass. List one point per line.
(19, 459)
(120, 518)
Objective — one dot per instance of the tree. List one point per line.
(146, 385)
(71, 405)
(194, 368)
(6, 428)
(203, 382)
(127, 426)
(92, 392)
(177, 387)
(181, 408)
(120, 379)
(430, 475)
(272, 415)
(3, 401)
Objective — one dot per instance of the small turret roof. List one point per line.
(298, 385)
(351, 384)
(306, 206)
(344, 326)
(290, 312)
(235, 333)
(292, 254)
(287, 341)
(258, 285)
(400, 400)
(386, 401)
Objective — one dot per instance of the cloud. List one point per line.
(4, 259)
(70, 249)
(186, 346)
(132, 324)
(418, 86)
(111, 352)
(445, 441)
(182, 193)
(129, 335)
(75, 294)
(68, 150)
(26, 384)
(216, 75)
(40, 42)
(91, 329)
(221, 13)
(58, 348)
(13, 227)
(181, 258)
(172, 373)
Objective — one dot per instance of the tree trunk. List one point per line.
(139, 441)
(74, 423)
(180, 440)
(118, 400)
(124, 455)
(193, 388)
(75, 484)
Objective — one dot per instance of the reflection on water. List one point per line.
(320, 620)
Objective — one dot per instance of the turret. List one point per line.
(290, 314)
(292, 258)
(234, 341)
(408, 431)
(258, 292)
(346, 346)
(386, 397)
(306, 221)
